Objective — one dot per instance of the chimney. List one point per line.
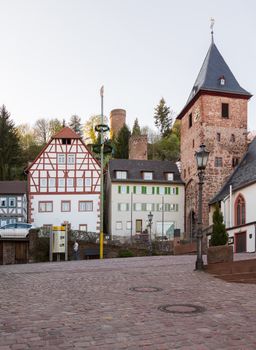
(117, 120)
(138, 147)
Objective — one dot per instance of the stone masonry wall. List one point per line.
(138, 147)
(207, 122)
(117, 120)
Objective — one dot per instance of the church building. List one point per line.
(215, 115)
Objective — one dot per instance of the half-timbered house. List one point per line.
(13, 202)
(64, 184)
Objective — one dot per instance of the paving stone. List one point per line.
(89, 305)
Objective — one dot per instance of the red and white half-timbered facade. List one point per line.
(64, 184)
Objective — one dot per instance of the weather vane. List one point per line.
(212, 25)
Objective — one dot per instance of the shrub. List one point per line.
(219, 234)
(125, 253)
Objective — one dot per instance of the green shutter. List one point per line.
(153, 190)
(165, 190)
(144, 207)
(177, 207)
(153, 206)
(127, 189)
(119, 189)
(169, 190)
(177, 190)
(144, 190)
(119, 207)
(127, 206)
(157, 190)
(134, 189)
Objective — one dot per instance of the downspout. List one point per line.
(230, 206)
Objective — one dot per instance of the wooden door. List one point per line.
(138, 226)
(240, 241)
(21, 252)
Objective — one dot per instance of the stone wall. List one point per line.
(138, 147)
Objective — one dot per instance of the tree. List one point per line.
(54, 126)
(10, 152)
(90, 135)
(163, 117)
(167, 148)
(121, 145)
(136, 128)
(42, 131)
(75, 124)
(219, 235)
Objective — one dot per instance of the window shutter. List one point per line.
(165, 190)
(134, 189)
(157, 190)
(153, 206)
(153, 190)
(127, 189)
(134, 206)
(127, 206)
(144, 208)
(177, 207)
(119, 207)
(169, 190)
(177, 190)
(119, 189)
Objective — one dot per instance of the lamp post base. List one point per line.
(199, 264)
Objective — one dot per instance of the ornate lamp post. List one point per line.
(201, 160)
(150, 219)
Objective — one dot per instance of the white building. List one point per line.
(237, 201)
(64, 184)
(137, 187)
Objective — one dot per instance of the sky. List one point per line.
(56, 54)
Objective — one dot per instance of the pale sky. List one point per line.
(56, 54)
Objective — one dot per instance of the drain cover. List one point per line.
(146, 289)
(181, 308)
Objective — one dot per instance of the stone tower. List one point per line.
(215, 115)
(138, 147)
(117, 120)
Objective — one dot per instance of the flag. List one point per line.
(102, 91)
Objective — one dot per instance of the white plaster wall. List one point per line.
(75, 217)
(124, 216)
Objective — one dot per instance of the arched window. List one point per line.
(240, 210)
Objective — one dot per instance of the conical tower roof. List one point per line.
(215, 76)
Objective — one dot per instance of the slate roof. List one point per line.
(66, 133)
(135, 168)
(13, 187)
(214, 67)
(243, 175)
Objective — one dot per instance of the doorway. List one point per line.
(240, 242)
(138, 226)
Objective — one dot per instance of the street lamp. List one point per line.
(150, 219)
(201, 160)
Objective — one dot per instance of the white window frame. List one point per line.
(67, 204)
(161, 190)
(71, 158)
(88, 182)
(52, 182)
(61, 159)
(147, 175)
(123, 189)
(14, 202)
(119, 225)
(79, 182)
(170, 176)
(3, 202)
(128, 225)
(85, 206)
(45, 207)
(70, 182)
(61, 182)
(121, 175)
(43, 182)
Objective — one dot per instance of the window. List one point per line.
(12, 202)
(190, 120)
(71, 158)
(235, 161)
(45, 207)
(137, 206)
(240, 210)
(61, 182)
(170, 176)
(88, 182)
(119, 225)
(85, 206)
(147, 175)
(83, 227)
(128, 225)
(161, 190)
(225, 110)
(149, 207)
(61, 159)
(218, 136)
(123, 206)
(70, 182)
(3, 202)
(122, 175)
(79, 182)
(218, 161)
(123, 189)
(232, 138)
(43, 182)
(138, 189)
(66, 141)
(52, 182)
(65, 205)
(222, 80)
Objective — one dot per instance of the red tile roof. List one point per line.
(13, 187)
(66, 133)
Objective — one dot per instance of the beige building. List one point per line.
(137, 187)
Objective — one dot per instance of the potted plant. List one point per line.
(219, 250)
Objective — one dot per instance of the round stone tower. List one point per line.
(117, 120)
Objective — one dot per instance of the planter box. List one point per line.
(220, 254)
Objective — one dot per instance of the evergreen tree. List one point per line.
(219, 234)
(75, 124)
(121, 150)
(163, 118)
(136, 128)
(10, 152)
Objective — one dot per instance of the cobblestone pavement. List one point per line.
(91, 305)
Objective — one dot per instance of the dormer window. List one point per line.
(147, 175)
(66, 141)
(222, 80)
(169, 176)
(121, 175)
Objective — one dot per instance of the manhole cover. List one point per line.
(181, 309)
(146, 289)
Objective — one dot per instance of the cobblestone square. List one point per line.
(135, 303)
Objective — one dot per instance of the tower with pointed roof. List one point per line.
(215, 114)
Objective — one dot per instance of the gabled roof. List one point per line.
(66, 133)
(242, 176)
(214, 67)
(13, 187)
(135, 168)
